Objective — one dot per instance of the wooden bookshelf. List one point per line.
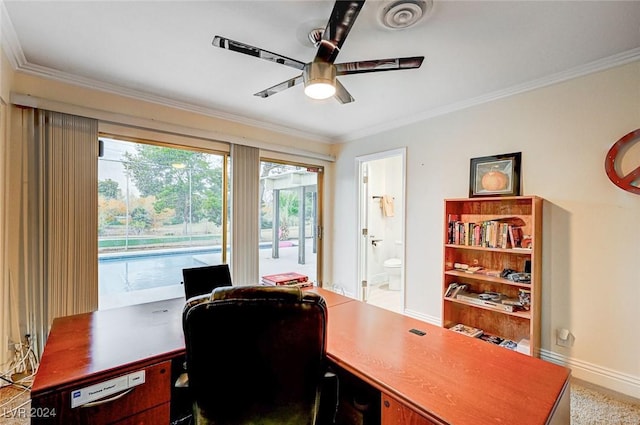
(491, 249)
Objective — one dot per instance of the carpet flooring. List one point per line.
(594, 406)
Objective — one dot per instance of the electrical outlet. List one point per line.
(564, 337)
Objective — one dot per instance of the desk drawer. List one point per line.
(155, 416)
(396, 413)
(154, 392)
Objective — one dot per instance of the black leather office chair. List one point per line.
(257, 355)
(203, 280)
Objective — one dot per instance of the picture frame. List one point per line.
(495, 175)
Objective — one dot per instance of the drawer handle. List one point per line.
(108, 400)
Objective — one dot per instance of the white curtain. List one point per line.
(53, 218)
(245, 210)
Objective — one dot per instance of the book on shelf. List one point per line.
(512, 301)
(451, 223)
(515, 236)
(494, 339)
(501, 342)
(477, 299)
(511, 345)
(288, 278)
(466, 330)
(495, 233)
(450, 289)
(490, 272)
(454, 288)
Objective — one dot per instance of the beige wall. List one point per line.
(156, 115)
(591, 284)
(6, 77)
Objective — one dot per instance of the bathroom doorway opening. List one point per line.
(381, 212)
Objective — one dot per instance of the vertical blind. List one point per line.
(54, 263)
(69, 149)
(245, 179)
(5, 289)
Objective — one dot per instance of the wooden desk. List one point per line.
(85, 349)
(441, 377)
(444, 376)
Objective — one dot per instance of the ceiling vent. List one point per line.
(400, 14)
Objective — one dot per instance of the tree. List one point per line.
(109, 210)
(109, 189)
(188, 182)
(140, 220)
(268, 169)
(288, 204)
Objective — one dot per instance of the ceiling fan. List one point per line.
(319, 75)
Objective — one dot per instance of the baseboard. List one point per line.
(598, 375)
(424, 317)
(604, 377)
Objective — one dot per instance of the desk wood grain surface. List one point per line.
(84, 346)
(444, 375)
(451, 377)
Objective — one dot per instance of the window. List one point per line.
(161, 209)
(289, 219)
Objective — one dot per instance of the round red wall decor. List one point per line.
(615, 154)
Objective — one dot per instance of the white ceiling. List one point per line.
(161, 51)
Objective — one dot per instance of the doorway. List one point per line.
(290, 219)
(381, 194)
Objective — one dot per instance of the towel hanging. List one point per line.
(386, 203)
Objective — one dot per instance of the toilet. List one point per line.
(392, 267)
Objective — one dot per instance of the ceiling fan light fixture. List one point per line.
(319, 80)
(319, 91)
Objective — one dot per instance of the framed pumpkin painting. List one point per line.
(495, 175)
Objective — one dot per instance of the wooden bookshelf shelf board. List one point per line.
(475, 276)
(522, 314)
(521, 251)
(494, 233)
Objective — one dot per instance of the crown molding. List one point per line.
(590, 68)
(15, 55)
(18, 61)
(43, 72)
(9, 39)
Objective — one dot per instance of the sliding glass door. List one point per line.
(290, 220)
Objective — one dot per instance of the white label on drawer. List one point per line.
(136, 378)
(106, 388)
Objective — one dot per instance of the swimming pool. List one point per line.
(135, 277)
(127, 271)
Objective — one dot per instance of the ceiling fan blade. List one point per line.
(246, 49)
(279, 87)
(378, 65)
(342, 94)
(342, 18)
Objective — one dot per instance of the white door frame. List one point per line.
(363, 240)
